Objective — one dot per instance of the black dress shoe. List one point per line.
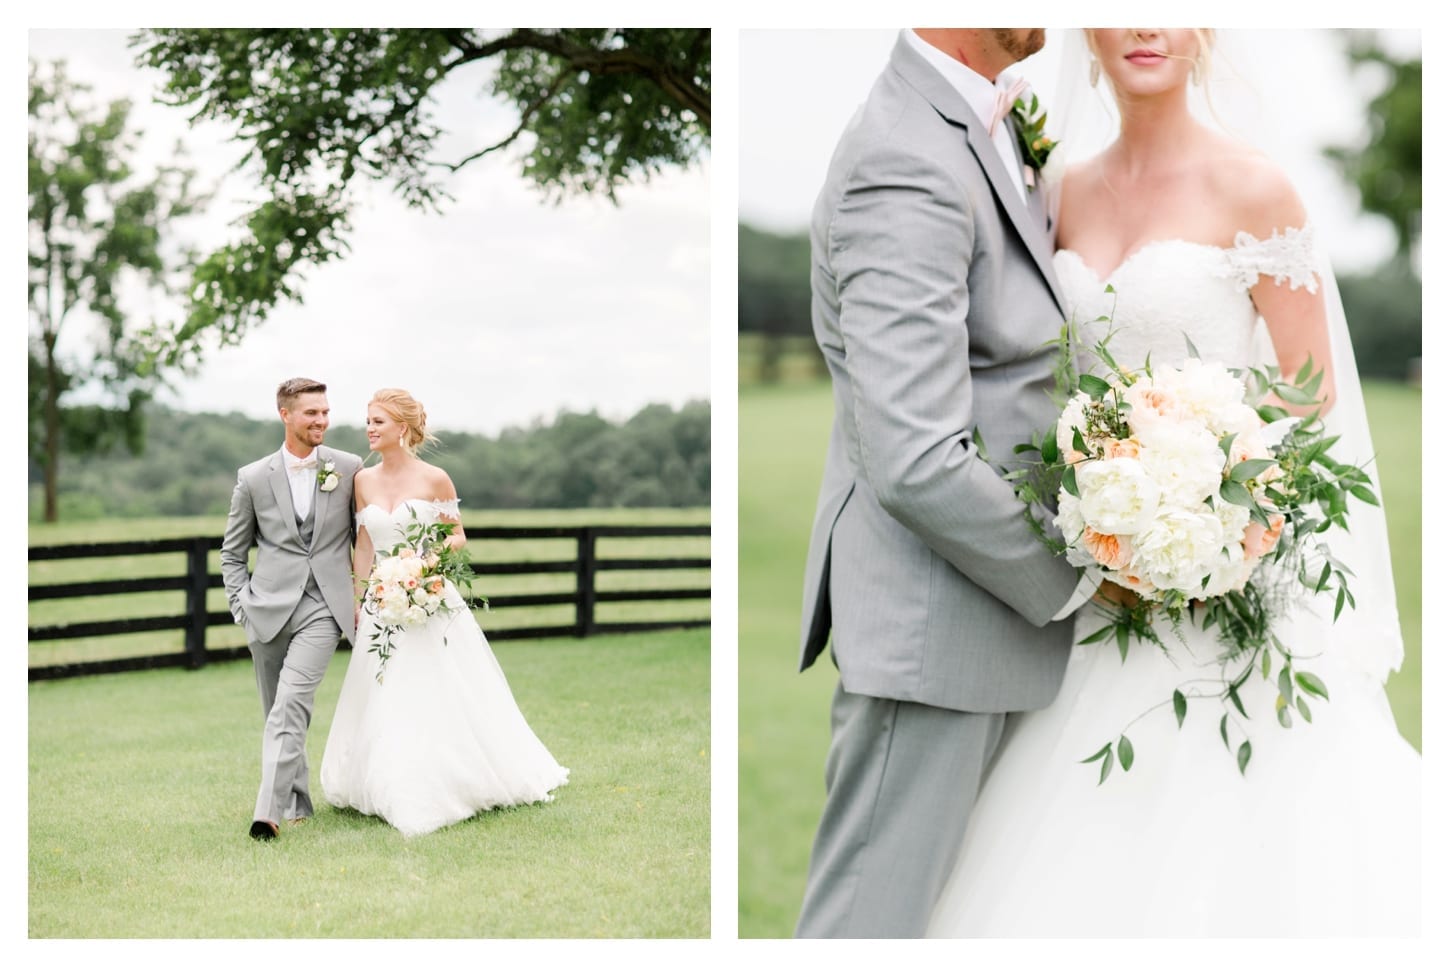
(262, 830)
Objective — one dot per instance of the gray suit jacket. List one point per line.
(262, 514)
(935, 305)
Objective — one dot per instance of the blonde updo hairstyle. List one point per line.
(400, 406)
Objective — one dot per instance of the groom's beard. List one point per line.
(1020, 43)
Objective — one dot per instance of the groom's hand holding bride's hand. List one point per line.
(1111, 595)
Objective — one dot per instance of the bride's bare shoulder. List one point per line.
(1255, 194)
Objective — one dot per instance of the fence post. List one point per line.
(196, 581)
(584, 585)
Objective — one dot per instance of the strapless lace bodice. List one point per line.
(1171, 288)
(386, 527)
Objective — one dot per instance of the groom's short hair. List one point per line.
(288, 392)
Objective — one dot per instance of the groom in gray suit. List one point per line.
(935, 305)
(295, 505)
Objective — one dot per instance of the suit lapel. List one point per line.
(320, 498)
(1029, 225)
(277, 476)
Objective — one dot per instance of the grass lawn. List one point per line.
(784, 716)
(141, 788)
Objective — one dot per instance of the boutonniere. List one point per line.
(1035, 144)
(327, 478)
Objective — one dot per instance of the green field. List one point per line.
(68, 610)
(784, 727)
(141, 788)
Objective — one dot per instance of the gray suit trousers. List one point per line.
(901, 779)
(289, 669)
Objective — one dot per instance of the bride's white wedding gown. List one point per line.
(440, 737)
(1321, 837)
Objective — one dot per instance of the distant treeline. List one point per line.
(1382, 307)
(660, 457)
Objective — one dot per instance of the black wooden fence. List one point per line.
(198, 579)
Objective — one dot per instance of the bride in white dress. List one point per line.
(1200, 236)
(440, 738)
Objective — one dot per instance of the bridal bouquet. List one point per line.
(407, 585)
(1183, 485)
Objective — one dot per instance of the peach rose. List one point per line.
(1109, 550)
(1129, 448)
(1260, 540)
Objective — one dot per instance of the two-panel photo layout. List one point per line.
(1075, 484)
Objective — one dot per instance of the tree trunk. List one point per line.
(52, 430)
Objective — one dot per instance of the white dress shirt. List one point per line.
(981, 96)
(302, 480)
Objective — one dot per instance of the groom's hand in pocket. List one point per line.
(1115, 595)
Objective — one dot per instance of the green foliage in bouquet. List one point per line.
(1310, 492)
(443, 563)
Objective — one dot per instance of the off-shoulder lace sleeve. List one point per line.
(1286, 257)
(446, 507)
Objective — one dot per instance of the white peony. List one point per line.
(1070, 524)
(1118, 496)
(415, 615)
(1184, 461)
(1073, 416)
(1206, 392)
(1231, 571)
(1179, 548)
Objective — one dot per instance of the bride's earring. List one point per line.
(1095, 72)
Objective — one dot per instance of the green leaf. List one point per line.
(1192, 349)
(1305, 371)
(1249, 469)
(1049, 448)
(1226, 443)
(1303, 707)
(1282, 710)
(1180, 706)
(1069, 481)
(1323, 578)
(1294, 395)
(1339, 603)
(1311, 684)
(1098, 635)
(1223, 730)
(1106, 754)
(1365, 494)
(1233, 694)
(1123, 641)
(1236, 493)
(1246, 752)
(1125, 753)
(1286, 685)
(1093, 386)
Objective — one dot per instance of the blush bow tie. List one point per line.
(309, 464)
(1005, 100)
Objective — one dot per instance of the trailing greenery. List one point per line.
(660, 457)
(141, 788)
(784, 716)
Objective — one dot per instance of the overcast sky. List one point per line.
(798, 89)
(502, 310)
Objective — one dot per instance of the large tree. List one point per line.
(1385, 165)
(95, 225)
(317, 109)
